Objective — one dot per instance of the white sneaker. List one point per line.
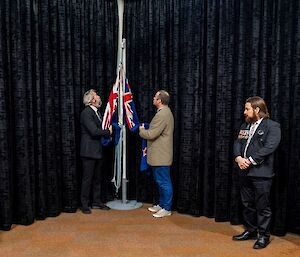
(162, 213)
(154, 208)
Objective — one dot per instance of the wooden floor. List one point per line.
(135, 233)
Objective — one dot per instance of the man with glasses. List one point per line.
(160, 152)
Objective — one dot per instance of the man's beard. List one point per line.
(251, 119)
(99, 105)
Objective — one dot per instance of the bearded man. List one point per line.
(160, 152)
(254, 150)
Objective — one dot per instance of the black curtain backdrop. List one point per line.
(210, 56)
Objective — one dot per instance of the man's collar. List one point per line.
(94, 108)
(257, 122)
(158, 109)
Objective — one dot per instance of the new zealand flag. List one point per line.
(130, 115)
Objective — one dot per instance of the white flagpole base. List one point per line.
(119, 205)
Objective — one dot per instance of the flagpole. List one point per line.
(120, 150)
(124, 177)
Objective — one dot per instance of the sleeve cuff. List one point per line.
(252, 161)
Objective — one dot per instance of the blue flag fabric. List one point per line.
(114, 138)
(144, 167)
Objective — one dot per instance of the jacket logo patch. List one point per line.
(260, 132)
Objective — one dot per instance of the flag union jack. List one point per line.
(130, 111)
(111, 106)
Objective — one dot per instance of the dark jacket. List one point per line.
(91, 132)
(261, 147)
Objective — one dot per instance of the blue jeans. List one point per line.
(162, 178)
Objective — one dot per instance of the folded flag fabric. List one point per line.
(114, 138)
(144, 166)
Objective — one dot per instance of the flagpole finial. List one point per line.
(120, 31)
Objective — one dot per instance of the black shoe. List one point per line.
(261, 242)
(246, 235)
(86, 210)
(100, 206)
